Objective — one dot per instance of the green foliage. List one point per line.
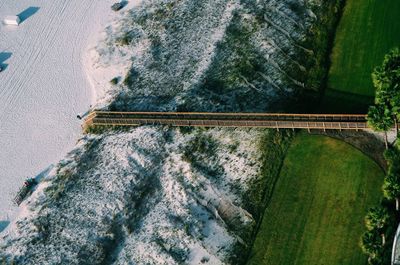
(233, 147)
(126, 39)
(200, 153)
(236, 59)
(380, 118)
(42, 225)
(391, 185)
(94, 129)
(376, 218)
(297, 8)
(371, 243)
(320, 41)
(386, 78)
(114, 81)
(392, 156)
(200, 145)
(186, 129)
(101, 129)
(273, 147)
(381, 221)
(178, 254)
(377, 241)
(130, 77)
(56, 191)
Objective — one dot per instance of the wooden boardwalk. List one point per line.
(201, 119)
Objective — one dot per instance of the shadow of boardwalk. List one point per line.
(27, 13)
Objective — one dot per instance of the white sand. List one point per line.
(44, 85)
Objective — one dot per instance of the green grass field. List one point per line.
(366, 32)
(316, 213)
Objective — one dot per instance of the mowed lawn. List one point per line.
(366, 32)
(316, 213)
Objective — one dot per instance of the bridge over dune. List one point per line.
(204, 119)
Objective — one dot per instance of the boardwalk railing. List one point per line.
(202, 119)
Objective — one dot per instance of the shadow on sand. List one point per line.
(27, 13)
(124, 3)
(44, 173)
(3, 225)
(4, 56)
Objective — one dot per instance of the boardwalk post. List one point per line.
(323, 124)
(277, 127)
(293, 125)
(308, 127)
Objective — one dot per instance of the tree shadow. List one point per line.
(3, 225)
(124, 3)
(44, 173)
(4, 56)
(27, 13)
(3, 66)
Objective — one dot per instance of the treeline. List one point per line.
(381, 222)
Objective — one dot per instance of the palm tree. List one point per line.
(392, 156)
(387, 76)
(391, 185)
(380, 119)
(371, 243)
(386, 79)
(377, 219)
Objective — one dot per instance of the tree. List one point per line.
(391, 188)
(391, 185)
(386, 79)
(392, 156)
(377, 219)
(371, 244)
(387, 76)
(380, 119)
